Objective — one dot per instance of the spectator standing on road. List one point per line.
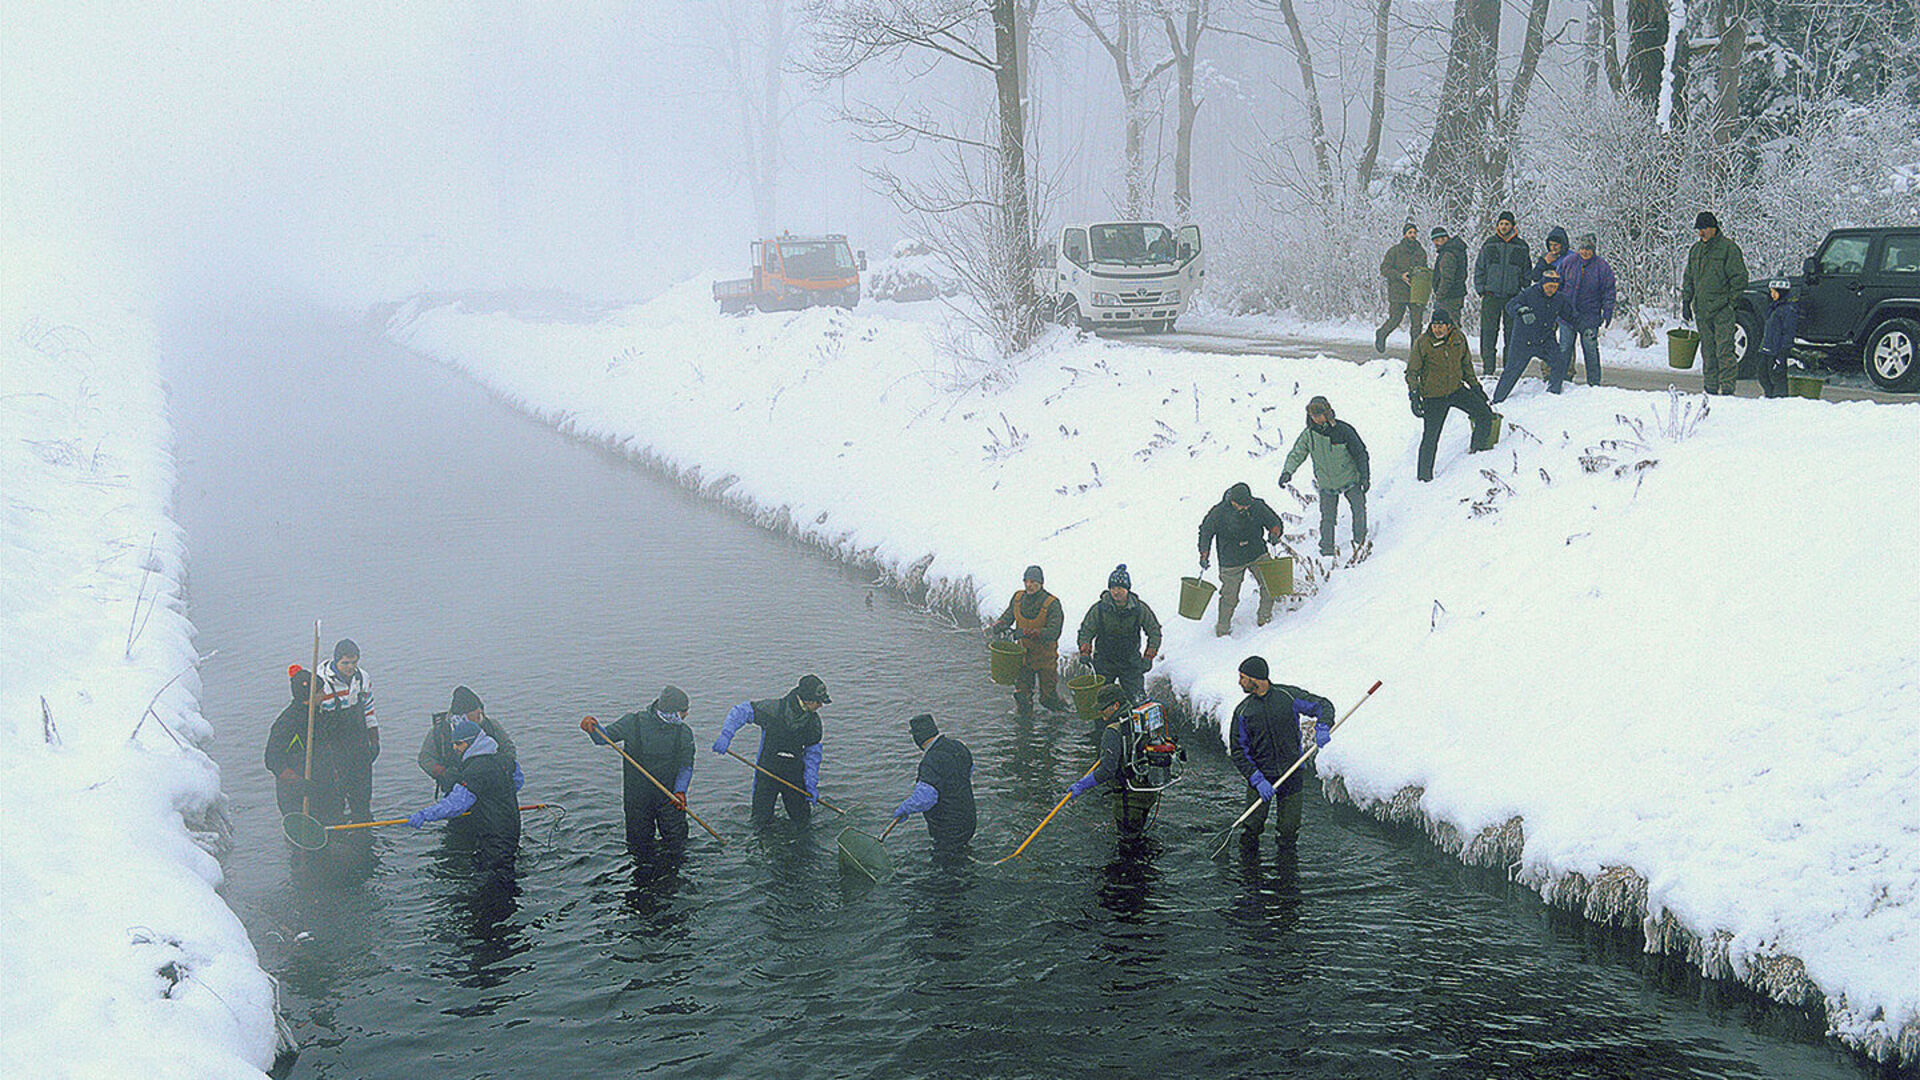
(1716, 274)
(1397, 267)
(1537, 313)
(1340, 466)
(1503, 268)
(1776, 343)
(1587, 283)
(1449, 271)
(1439, 378)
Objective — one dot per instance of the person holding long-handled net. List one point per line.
(1263, 740)
(488, 787)
(656, 773)
(788, 765)
(942, 789)
(286, 759)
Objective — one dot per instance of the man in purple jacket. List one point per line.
(1587, 283)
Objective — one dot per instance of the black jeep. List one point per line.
(1859, 304)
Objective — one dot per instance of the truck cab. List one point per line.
(793, 272)
(1859, 297)
(1120, 274)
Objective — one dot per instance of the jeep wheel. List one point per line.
(1890, 353)
(1746, 343)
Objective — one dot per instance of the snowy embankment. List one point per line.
(1674, 688)
(118, 956)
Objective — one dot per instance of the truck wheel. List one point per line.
(1746, 343)
(1070, 314)
(1890, 353)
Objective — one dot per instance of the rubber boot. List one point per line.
(1023, 704)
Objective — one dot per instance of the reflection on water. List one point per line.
(558, 580)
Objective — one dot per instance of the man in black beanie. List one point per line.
(1036, 619)
(790, 735)
(438, 758)
(1264, 742)
(1503, 268)
(943, 787)
(1111, 633)
(1716, 276)
(1239, 527)
(657, 737)
(1397, 267)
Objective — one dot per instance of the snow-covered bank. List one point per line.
(118, 956)
(1679, 688)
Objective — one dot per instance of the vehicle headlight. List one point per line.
(1105, 299)
(1172, 297)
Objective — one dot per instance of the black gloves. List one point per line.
(1413, 400)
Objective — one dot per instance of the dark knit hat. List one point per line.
(1120, 579)
(1409, 227)
(922, 728)
(1033, 574)
(672, 699)
(1706, 220)
(345, 648)
(1587, 242)
(1255, 667)
(1440, 315)
(464, 701)
(301, 681)
(1110, 694)
(1506, 216)
(1318, 405)
(1240, 493)
(812, 689)
(1438, 232)
(1550, 275)
(465, 730)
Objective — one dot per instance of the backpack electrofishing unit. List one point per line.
(1153, 757)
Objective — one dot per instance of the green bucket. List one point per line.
(1682, 346)
(1493, 432)
(1420, 285)
(1003, 661)
(1806, 386)
(1086, 691)
(1275, 574)
(1195, 595)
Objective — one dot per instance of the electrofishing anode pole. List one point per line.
(593, 728)
(755, 766)
(403, 821)
(1064, 800)
(313, 697)
(1257, 803)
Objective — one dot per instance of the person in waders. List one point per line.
(1138, 758)
(488, 787)
(287, 761)
(1111, 632)
(1239, 527)
(658, 738)
(347, 726)
(1036, 619)
(437, 756)
(942, 789)
(790, 735)
(1264, 742)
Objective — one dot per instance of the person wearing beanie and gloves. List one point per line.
(1239, 527)
(790, 735)
(1440, 378)
(1556, 250)
(943, 787)
(287, 761)
(345, 718)
(657, 737)
(1264, 741)
(1537, 314)
(1776, 342)
(1132, 808)
(1340, 466)
(1037, 620)
(1716, 275)
(1449, 271)
(437, 757)
(1503, 268)
(1586, 281)
(1111, 633)
(1397, 268)
(488, 788)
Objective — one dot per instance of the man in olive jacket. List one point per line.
(1440, 378)
(1340, 465)
(1240, 527)
(1716, 274)
(1111, 633)
(1502, 270)
(1397, 267)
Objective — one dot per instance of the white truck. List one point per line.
(1120, 274)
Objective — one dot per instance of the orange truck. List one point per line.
(793, 272)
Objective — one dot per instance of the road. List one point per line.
(1197, 336)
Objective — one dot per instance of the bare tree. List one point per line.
(1377, 106)
(756, 56)
(1185, 21)
(982, 36)
(1473, 135)
(1122, 42)
(1310, 91)
(1646, 49)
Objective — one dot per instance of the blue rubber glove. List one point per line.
(417, 819)
(900, 811)
(1082, 786)
(1322, 733)
(1260, 785)
(721, 744)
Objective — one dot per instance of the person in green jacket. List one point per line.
(1397, 267)
(1716, 275)
(1440, 378)
(1340, 466)
(1110, 635)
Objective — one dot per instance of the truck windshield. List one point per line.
(818, 259)
(1132, 243)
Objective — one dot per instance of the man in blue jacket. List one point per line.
(1264, 742)
(943, 787)
(1537, 313)
(790, 735)
(658, 739)
(1586, 281)
(485, 785)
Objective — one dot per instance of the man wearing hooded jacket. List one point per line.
(1340, 466)
(437, 757)
(286, 759)
(488, 787)
(658, 739)
(1239, 527)
(790, 735)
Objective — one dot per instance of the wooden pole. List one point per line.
(313, 698)
(681, 800)
(755, 766)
